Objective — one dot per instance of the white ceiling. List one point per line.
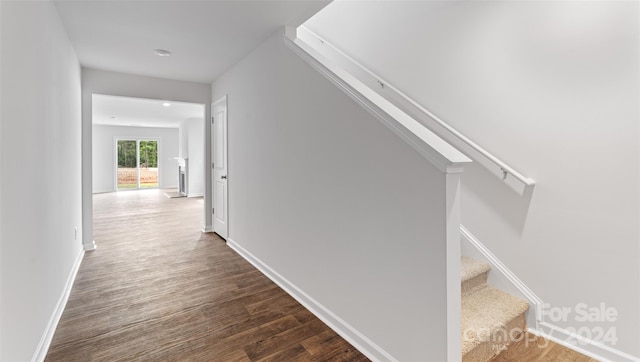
(142, 112)
(206, 37)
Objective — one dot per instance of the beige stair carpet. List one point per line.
(473, 274)
(491, 319)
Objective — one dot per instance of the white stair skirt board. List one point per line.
(346, 331)
(43, 347)
(505, 279)
(501, 277)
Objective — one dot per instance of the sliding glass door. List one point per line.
(137, 164)
(148, 164)
(127, 161)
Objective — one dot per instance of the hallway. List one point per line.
(158, 289)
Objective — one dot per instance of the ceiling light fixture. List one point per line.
(166, 104)
(162, 52)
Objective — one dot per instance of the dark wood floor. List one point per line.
(158, 289)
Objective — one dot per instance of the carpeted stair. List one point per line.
(491, 319)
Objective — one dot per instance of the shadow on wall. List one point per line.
(503, 200)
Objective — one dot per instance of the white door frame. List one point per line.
(115, 159)
(219, 175)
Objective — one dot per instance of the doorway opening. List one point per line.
(136, 164)
(137, 144)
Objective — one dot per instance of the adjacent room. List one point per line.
(146, 143)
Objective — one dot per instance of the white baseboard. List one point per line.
(45, 341)
(195, 195)
(346, 331)
(91, 246)
(207, 229)
(582, 345)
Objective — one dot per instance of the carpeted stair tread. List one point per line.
(473, 274)
(486, 311)
(471, 268)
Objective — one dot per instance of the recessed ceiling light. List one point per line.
(166, 104)
(162, 52)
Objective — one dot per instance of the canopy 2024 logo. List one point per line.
(584, 314)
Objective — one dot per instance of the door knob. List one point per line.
(223, 177)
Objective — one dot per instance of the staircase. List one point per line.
(491, 319)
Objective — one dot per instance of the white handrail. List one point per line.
(441, 154)
(504, 168)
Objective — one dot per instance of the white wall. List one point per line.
(334, 202)
(127, 85)
(192, 147)
(1, 173)
(183, 144)
(41, 148)
(196, 157)
(551, 88)
(104, 156)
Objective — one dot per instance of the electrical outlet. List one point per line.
(75, 233)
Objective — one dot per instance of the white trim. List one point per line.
(43, 347)
(433, 148)
(545, 329)
(587, 347)
(346, 331)
(115, 161)
(207, 229)
(90, 247)
(400, 99)
(222, 101)
(454, 297)
(496, 264)
(196, 195)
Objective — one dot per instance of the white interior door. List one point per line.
(219, 157)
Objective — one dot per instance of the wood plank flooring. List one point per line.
(158, 289)
(531, 348)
